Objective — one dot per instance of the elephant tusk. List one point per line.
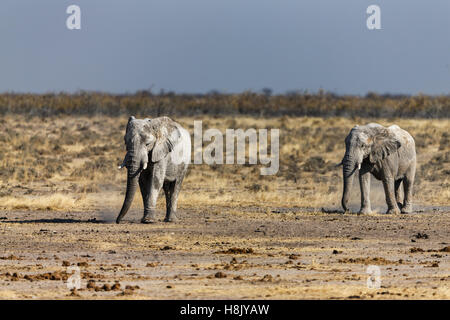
(144, 166)
(359, 166)
(120, 167)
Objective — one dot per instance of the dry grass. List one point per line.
(56, 201)
(296, 103)
(69, 162)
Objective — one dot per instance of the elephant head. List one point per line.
(369, 144)
(146, 140)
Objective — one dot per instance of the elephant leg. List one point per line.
(397, 192)
(168, 190)
(388, 184)
(364, 183)
(154, 187)
(171, 213)
(145, 188)
(408, 190)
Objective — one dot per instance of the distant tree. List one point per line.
(267, 92)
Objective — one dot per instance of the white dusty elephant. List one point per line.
(158, 155)
(389, 154)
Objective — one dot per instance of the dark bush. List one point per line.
(144, 103)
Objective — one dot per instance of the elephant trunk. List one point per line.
(132, 182)
(348, 170)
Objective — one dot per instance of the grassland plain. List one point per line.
(69, 162)
(241, 235)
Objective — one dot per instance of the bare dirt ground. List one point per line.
(225, 252)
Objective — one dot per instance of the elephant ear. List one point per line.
(167, 136)
(384, 144)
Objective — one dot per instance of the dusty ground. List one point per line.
(226, 253)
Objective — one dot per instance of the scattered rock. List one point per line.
(115, 286)
(91, 284)
(376, 260)
(57, 275)
(106, 287)
(152, 264)
(126, 292)
(421, 236)
(220, 275)
(74, 293)
(10, 257)
(266, 278)
(129, 287)
(235, 250)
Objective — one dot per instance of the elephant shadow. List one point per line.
(55, 220)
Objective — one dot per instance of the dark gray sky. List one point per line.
(227, 45)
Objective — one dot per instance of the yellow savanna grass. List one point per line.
(70, 162)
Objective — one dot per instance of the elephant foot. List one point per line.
(171, 218)
(365, 211)
(148, 219)
(393, 211)
(407, 209)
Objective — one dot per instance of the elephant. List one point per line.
(158, 155)
(389, 154)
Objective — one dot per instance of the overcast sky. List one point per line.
(227, 45)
